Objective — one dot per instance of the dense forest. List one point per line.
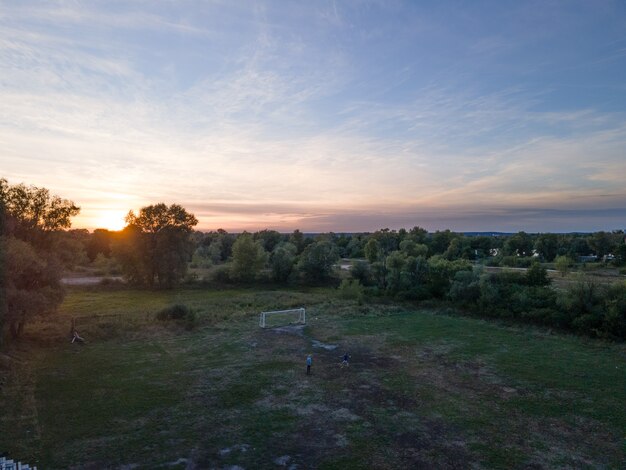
(502, 276)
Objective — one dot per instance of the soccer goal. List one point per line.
(289, 316)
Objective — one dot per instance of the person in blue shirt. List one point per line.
(309, 361)
(346, 358)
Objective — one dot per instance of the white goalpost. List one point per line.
(299, 312)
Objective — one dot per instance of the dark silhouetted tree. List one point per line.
(155, 246)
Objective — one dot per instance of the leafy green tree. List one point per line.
(440, 241)
(578, 246)
(416, 270)
(221, 244)
(372, 250)
(459, 247)
(297, 239)
(465, 287)
(355, 247)
(520, 244)
(442, 271)
(395, 263)
(269, 239)
(361, 272)
(388, 240)
(282, 261)
(546, 246)
(418, 235)
(603, 243)
(155, 246)
(379, 274)
(537, 275)
(482, 245)
(32, 221)
(32, 287)
(249, 257)
(317, 261)
(562, 264)
(412, 248)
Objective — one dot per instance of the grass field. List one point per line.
(423, 390)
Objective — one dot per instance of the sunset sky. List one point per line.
(321, 115)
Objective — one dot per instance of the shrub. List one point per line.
(537, 275)
(173, 312)
(179, 313)
(222, 274)
(351, 290)
(465, 287)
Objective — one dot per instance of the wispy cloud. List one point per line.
(280, 117)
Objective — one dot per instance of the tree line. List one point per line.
(159, 245)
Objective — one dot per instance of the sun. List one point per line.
(112, 220)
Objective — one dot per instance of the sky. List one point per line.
(321, 115)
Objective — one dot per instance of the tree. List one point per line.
(269, 239)
(537, 275)
(155, 246)
(519, 244)
(99, 242)
(562, 264)
(30, 220)
(317, 261)
(547, 245)
(282, 261)
(603, 243)
(459, 247)
(440, 241)
(372, 250)
(411, 248)
(32, 287)
(395, 263)
(248, 258)
(388, 240)
(297, 238)
(220, 241)
(32, 213)
(361, 272)
(418, 234)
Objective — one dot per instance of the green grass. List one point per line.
(423, 389)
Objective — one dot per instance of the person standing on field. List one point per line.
(346, 358)
(309, 362)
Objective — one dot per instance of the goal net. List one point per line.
(297, 315)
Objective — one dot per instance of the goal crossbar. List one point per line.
(300, 311)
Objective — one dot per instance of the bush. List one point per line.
(537, 275)
(179, 313)
(222, 274)
(173, 312)
(361, 272)
(465, 288)
(351, 290)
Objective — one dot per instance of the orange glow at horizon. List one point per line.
(111, 220)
